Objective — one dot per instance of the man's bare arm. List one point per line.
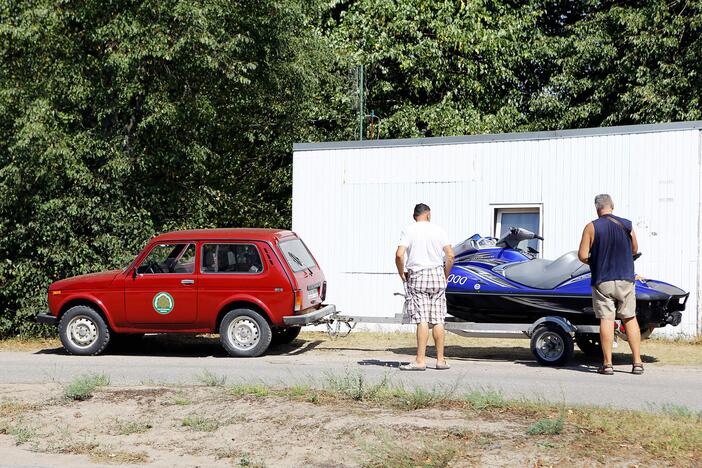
(586, 243)
(400, 261)
(634, 243)
(448, 260)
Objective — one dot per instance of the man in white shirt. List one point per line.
(429, 262)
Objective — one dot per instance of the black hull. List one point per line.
(504, 308)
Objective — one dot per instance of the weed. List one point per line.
(131, 427)
(118, 457)
(181, 401)
(245, 461)
(485, 399)
(419, 397)
(82, 387)
(22, 434)
(356, 387)
(198, 423)
(211, 379)
(252, 390)
(678, 411)
(546, 426)
(401, 456)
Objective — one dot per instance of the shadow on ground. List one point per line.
(187, 346)
(209, 346)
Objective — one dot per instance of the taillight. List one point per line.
(323, 294)
(298, 300)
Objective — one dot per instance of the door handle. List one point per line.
(187, 282)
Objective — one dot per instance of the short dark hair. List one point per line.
(420, 209)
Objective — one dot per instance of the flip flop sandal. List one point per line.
(637, 369)
(412, 366)
(444, 366)
(605, 369)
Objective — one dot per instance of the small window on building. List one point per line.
(231, 258)
(527, 217)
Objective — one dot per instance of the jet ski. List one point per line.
(497, 281)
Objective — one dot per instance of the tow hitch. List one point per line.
(338, 326)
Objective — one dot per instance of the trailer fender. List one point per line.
(560, 321)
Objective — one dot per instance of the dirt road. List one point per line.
(311, 361)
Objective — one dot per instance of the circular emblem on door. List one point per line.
(163, 303)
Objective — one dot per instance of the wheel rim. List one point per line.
(82, 331)
(550, 346)
(244, 333)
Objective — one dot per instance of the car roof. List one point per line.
(225, 234)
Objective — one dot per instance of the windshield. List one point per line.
(297, 255)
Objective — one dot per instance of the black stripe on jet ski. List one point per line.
(518, 294)
(539, 304)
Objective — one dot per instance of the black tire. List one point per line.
(285, 335)
(589, 344)
(551, 345)
(83, 331)
(245, 333)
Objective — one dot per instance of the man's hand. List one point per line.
(400, 261)
(586, 243)
(448, 260)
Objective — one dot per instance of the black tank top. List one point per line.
(610, 256)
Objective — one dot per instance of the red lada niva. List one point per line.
(252, 286)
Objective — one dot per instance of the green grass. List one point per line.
(200, 424)
(256, 390)
(131, 427)
(485, 399)
(180, 401)
(547, 426)
(82, 387)
(211, 379)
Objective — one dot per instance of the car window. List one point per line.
(231, 258)
(169, 258)
(297, 255)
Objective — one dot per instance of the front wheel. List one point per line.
(551, 345)
(244, 333)
(83, 331)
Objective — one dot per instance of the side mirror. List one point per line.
(134, 273)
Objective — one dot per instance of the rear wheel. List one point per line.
(83, 331)
(589, 344)
(285, 335)
(551, 345)
(245, 333)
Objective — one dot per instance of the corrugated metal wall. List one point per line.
(349, 205)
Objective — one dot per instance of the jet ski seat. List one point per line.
(546, 274)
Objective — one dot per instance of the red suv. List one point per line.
(252, 286)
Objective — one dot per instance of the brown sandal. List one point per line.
(605, 369)
(637, 369)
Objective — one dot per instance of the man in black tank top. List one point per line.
(607, 245)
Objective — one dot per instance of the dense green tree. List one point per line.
(624, 63)
(121, 119)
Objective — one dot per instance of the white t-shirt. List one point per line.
(425, 244)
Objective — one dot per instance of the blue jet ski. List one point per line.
(496, 281)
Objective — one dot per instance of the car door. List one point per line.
(162, 289)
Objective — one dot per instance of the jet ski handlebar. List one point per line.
(515, 236)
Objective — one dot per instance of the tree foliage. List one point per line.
(123, 119)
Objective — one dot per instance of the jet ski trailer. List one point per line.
(499, 289)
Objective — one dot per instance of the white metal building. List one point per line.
(352, 199)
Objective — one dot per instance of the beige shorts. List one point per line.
(612, 299)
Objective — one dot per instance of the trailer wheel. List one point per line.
(244, 333)
(83, 331)
(551, 345)
(285, 335)
(589, 344)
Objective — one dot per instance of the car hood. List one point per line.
(90, 281)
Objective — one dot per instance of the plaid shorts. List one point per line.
(425, 296)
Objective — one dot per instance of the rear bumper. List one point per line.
(311, 317)
(47, 318)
